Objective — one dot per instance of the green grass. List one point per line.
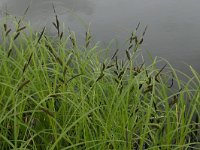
(55, 94)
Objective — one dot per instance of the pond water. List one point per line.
(173, 25)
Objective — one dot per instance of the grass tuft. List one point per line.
(56, 94)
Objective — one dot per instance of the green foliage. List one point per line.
(55, 94)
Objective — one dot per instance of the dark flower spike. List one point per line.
(121, 74)
(55, 55)
(24, 68)
(40, 37)
(141, 41)
(54, 25)
(20, 29)
(22, 85)
(141, 67)
(137, 26)
(73, 78)
(131, 38)
(8, 32)
(107, 67)
(172, 81)
(19, 23)
(116, 80)
(57, 24)
(28, 62)
(29, 59)
(61, 35)
(116, 72)
(136, 39)
(104, 66)
(156, 76)
(87, 38)
(131, 45)
(115, 54)
(128, 55)
(9, 52)
(116, 63)
(101, 76)
(16, 36)
(144, 31)
(5, 27)
(25, 12)
(175, 98)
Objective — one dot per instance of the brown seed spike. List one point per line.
(130, 46)
(61, 35)
(53, 8)
(5, 27)
(9, 52)
(72, 41)
(175, 98)
(57, 21)
(24, 68)
(58, 25)
(20, 29)
(54, 25)
(109, 66)
(41, 35)
(22, 85)
(86, 35)
(87, 39)
(116, 63)
(136, 39)
(101, 76)
(128, 55)
(156, 76)
(116, 81)
(172, 83)
(16, 36)
(121, 74)
(73, 78)
(144, 31)
(104, 66)
(115, 54)
(8, 32)
(19, 22)
(131, 38)
(141, 66)
(25, 12)
(116, 73)
(137, 26)
(30, 57)
(141, 41)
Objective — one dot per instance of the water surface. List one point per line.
(173, 25)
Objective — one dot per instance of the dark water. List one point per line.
(173, 25)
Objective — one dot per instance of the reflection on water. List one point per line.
(41, 12)
(43, 6)
(173, 25)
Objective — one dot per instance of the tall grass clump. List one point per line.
(56, 94)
